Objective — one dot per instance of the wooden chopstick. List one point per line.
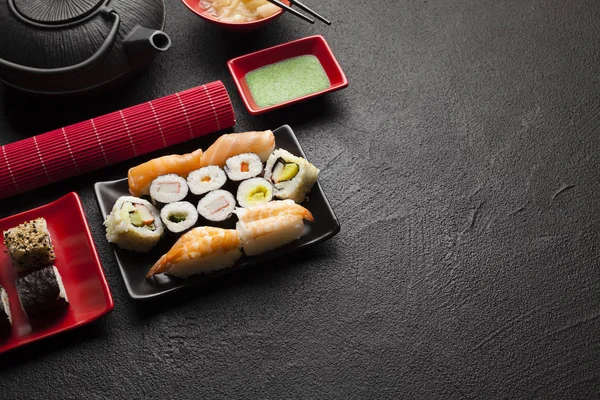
(311, 12)
(290, 9)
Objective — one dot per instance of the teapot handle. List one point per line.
(95, 58)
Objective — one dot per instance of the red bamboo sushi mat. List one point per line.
(112, 138)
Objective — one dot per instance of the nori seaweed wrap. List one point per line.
(41, 291)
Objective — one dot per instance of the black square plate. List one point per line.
(134, 266)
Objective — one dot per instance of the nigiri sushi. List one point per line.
(270, 225)
(226, 146)
(140, 177)
(201, 250)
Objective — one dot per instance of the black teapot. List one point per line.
(75, 46)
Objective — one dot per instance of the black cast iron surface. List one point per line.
(463, 165)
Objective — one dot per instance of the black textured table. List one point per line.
(463, 164)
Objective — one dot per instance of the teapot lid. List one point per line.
(54, 12)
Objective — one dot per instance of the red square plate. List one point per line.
(312, 45)
(77, 262)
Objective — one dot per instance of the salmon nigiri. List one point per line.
(271, 225)
(141, 176)
(232, 144)
(201, 250)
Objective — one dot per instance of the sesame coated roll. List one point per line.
(29, 245)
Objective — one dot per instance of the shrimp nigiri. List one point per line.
(201, 250)
(232, 144)
(271, 225)
(140, 177)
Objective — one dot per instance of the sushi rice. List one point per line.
(179, 216)
(134, 224)
(5, 304)
(62, 292)
(205, 179)
(243, 166)
(292, 177)
(216, 205)
(254, 192)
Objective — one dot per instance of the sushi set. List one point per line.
(51, 278)
(136, 266)
(233, 201)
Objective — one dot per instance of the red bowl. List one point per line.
(194, 6)
(312, 45)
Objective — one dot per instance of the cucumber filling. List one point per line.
(177, 218)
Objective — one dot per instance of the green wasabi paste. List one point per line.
(287, 80)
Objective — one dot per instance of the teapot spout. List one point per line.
(142, 44)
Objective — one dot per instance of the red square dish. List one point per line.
(77, 262)
(312, 45)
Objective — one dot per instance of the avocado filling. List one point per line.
(141, 217)
(284, 171)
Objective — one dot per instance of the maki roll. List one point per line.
(243, 166)
(134, 224)
(205, 179)
(168, 189)
(5, 314)
(179, 216)
(41, 291)
(216, 205)
(292, 177)
(29, 245)
(253, 192)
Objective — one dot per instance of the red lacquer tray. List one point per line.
(313, 45)
(76, 260)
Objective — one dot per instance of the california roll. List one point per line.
(292, 177)
(134, 224)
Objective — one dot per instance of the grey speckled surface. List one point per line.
(462, 162)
